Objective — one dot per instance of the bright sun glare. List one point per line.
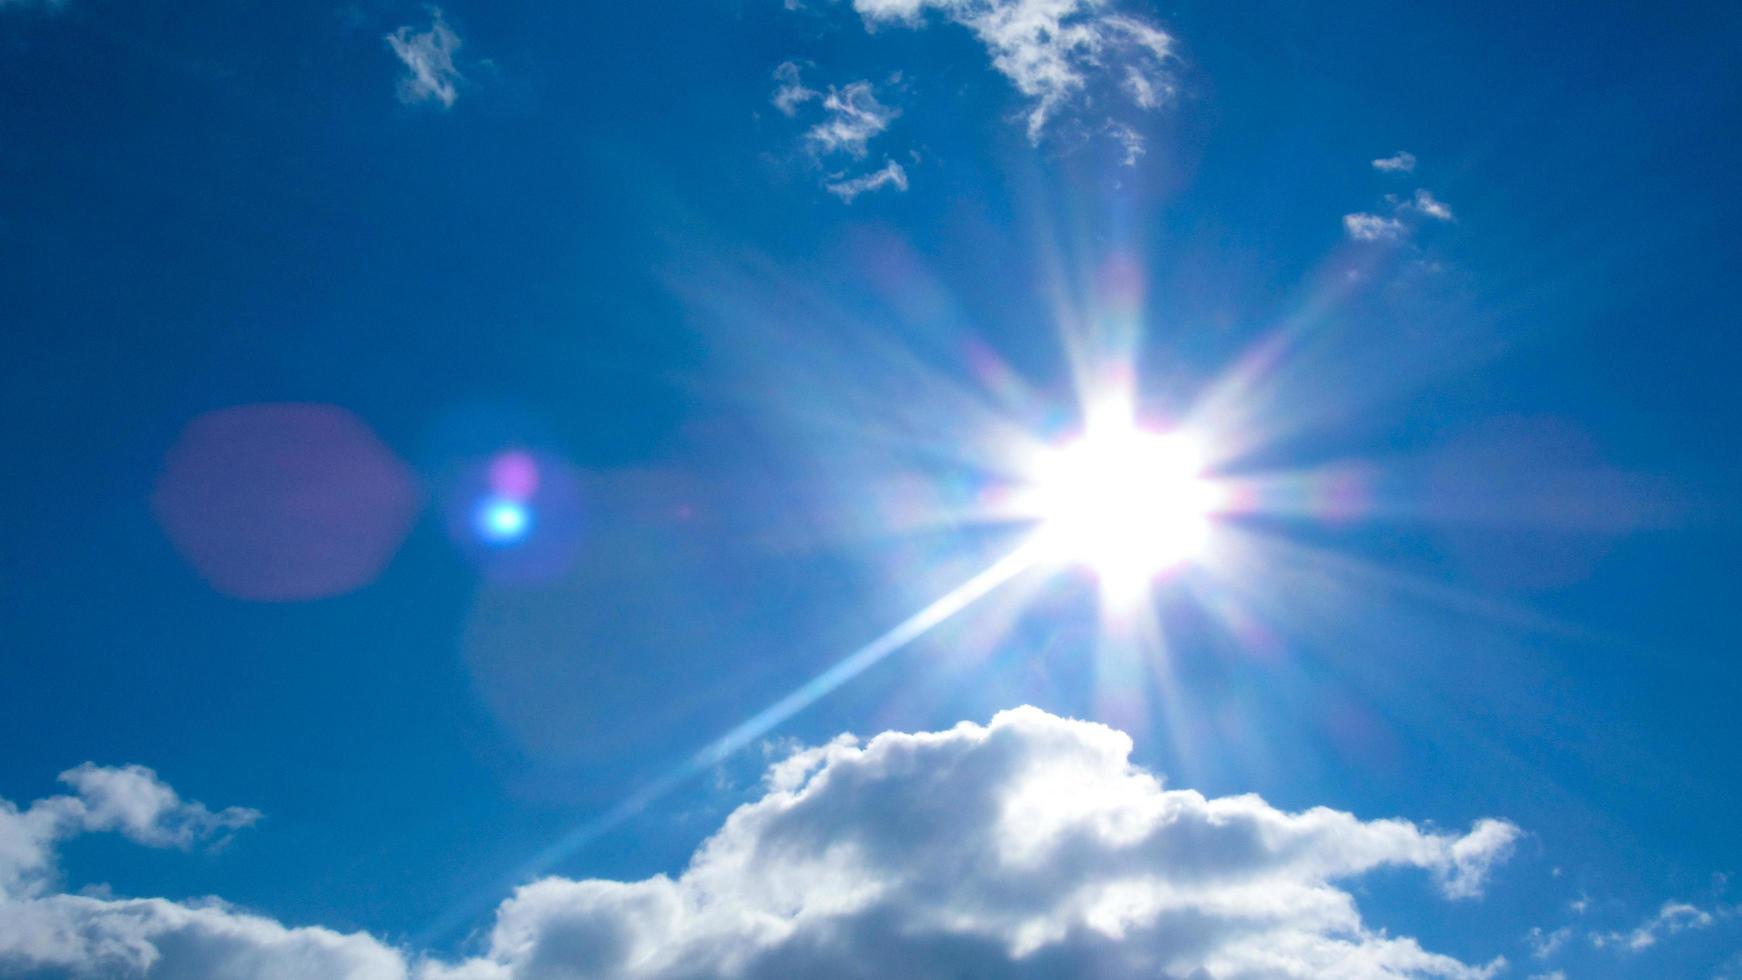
(1126, 502)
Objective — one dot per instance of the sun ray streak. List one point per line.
(1019, 560)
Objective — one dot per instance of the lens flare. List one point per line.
(503, 521)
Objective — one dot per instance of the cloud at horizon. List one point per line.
(1027, 846)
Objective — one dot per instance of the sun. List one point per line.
(1124, 501)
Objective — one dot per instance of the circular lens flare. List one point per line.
(1125, 502)
(502, 521)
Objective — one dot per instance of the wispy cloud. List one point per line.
(1428, 205)
(1364, 227)
(1030, 846)
(789, 90)
(1545, 944)
(846, 119)
(1671, 918)
(1406, 213)
(853, 117)
(1052, 51)
(892, 175)
(1129, 139)
(1401, 162)
(428, 56)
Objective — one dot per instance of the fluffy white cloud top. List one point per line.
(130, 800)
(1027, 847)
(1030, 846)
(1051, 50)
(79, 936)
(428, 56)
(47, 933)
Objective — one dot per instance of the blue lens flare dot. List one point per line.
(502, 521)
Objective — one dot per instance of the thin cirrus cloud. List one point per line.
(1671, 918)
(892, 175)
(847, 119)
(428, 57)
(1055, 52)
(1030, 846)
(853, 117)
(1544, 944)
(1366, 227)
(790, 91)
(1426, 203)
(1401, 162)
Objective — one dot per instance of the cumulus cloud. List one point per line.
(1030, 846)
(853, 117)
(789, 90)
(130, 800)
(80, 936)
(1364, 227)
(892, 175)
(1428, 205)
(1027, 847)
(1401, 162)
(1671, 918)
(428, 56)
(84, 936)
(1052, 50)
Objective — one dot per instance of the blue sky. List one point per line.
(432, 430)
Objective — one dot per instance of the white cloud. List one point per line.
(151, 937)
(1027, 847)
(428, 57)
(1129, 139)
(1672, 918)
(1372, 228)
(127, 799)
(1545, 944)
(789, 91)
(1401, 162)
(100, 937)
(854, 117)
(1051, 50)
(892, 175)
(133, 801)
(1428, 205)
